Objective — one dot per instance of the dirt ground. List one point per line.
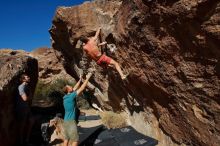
(91, 123)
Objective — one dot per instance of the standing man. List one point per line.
(23, 111)
(70, 106)
(90, 46)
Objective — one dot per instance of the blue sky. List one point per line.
(24, 24)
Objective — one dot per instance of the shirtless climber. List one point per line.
(91, 47)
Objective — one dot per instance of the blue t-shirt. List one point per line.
(69, 103)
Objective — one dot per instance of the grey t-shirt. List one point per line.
(22, 89)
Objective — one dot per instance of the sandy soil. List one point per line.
(91, 123)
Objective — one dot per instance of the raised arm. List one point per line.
(97, 33)
(83, 86)
(103, 43)
(77, 84)
(24, 97)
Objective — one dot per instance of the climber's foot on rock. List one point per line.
(125, 76)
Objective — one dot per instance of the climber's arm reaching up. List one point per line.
(103, 43)
(77, 84)
(97, 34)
(83, 86)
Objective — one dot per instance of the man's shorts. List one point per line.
(70, 130)
(104, 60)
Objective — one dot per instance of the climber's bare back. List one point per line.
(92, 49)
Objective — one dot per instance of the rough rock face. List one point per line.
(170, 48)
(12, 65)
(50, 69)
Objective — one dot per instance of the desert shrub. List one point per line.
(53, 93)
(113, 120)
(40, 92)
(55, 90)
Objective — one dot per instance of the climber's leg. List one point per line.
(118, 68)
(105, 60)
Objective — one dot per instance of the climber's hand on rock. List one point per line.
(80, 77)
(92, 70)
(89, 75)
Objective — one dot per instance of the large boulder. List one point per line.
(50, 68)
(170, 48)
(12, 65)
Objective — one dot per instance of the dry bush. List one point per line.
(113, 120)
